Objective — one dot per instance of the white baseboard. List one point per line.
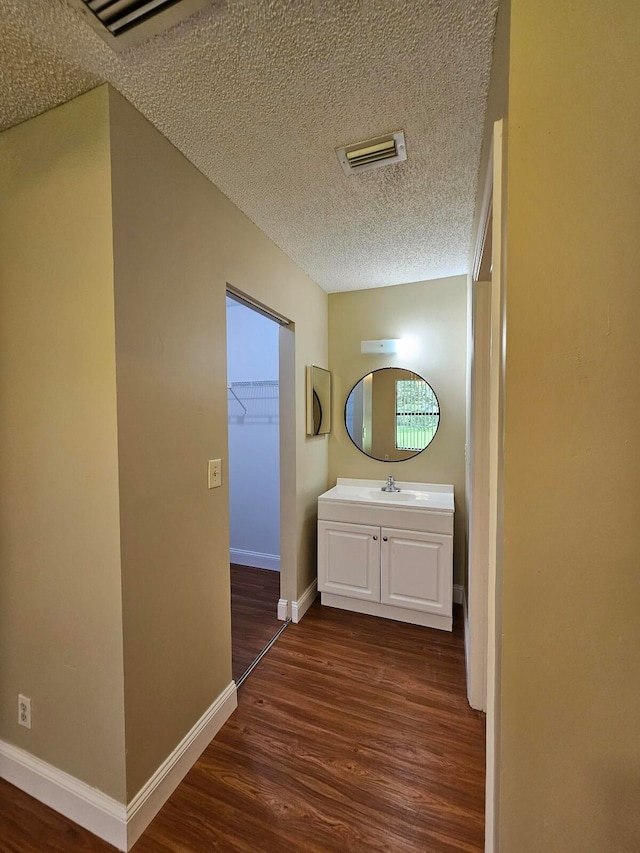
(255, 559)
(84, 805)
(458, 593)
(476, 687)
(283, 609)
(100, 814)
(465, 613)
(300, 607)
(153, 795)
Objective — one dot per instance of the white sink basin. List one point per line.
(431, 496)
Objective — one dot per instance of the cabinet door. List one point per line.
(349, 560)
(417, 571)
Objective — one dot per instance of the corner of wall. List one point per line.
(58, 380)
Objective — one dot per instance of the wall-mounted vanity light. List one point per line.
(406, 347)
(386, 346)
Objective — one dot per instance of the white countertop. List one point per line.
(432, 496)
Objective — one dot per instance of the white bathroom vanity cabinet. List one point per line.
(388, 554)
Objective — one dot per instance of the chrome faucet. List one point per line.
(390, 485)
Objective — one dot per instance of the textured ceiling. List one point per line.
(259, 94)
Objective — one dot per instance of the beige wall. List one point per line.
(177, 242)
(60, 597)
(570, 685)
(115, 257)
(171, 363)
(435, 312)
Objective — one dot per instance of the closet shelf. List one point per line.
(253, 402)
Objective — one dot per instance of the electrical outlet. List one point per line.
(215, 473)
(24, 711)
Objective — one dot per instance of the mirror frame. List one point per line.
(413, 453)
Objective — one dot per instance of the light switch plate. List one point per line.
(215, 473)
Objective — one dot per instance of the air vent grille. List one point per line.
(118, 16)
(123, 23)
(381, 151)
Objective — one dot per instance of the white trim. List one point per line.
(260, 307)
(486, 209)
(84, 805)
(458, 593)
(467, 641)
(100, 814)
(388, 611)
(255, 559)
(153, 795)
(478, 494)
(300, 607)
(496, 461)
(283, 609)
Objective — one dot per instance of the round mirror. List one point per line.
(392, 414)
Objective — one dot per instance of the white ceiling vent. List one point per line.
(124, 23)
(381, 151)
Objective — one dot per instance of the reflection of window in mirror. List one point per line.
(417, 414)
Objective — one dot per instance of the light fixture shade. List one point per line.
(388, 345)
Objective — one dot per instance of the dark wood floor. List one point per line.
(254, 614)
(353, 735)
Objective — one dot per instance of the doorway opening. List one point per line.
(253, 407)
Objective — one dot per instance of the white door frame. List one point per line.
(477, 462)
(496, 462)
(487, 332)
(287, 445)
(478, 493)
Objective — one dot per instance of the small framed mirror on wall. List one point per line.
(318, 400)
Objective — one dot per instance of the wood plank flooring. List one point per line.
(353, 735)
(254, 614)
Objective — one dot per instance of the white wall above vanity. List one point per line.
(388, 554)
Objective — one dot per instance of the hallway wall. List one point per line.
(60, 593)
(116, 253)
(570, 770)
(178, 241)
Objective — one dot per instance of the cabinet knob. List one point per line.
(375, 537)
(384, 538)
